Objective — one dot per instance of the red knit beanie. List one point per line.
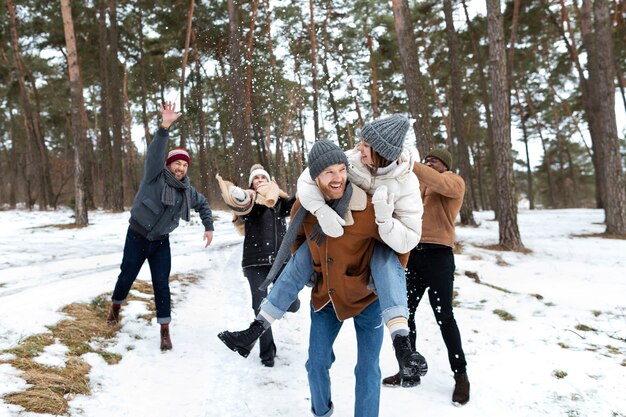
(177, 154)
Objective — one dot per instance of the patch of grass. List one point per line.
(623, 362)
(584, 328)
(458, 248)
(61, 226)
(549, 304)
(596, 313)
(483, 301)
(476, 258)
(501, 262)
(563, 345)
(84, 330)
(3, 284)
(500, 248)
(613, 350)
(537, 296)
(559, 374)
(504, 315)
(602, 236)
(32, 346)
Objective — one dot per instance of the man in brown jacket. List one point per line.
(431, 264)
(342, 266)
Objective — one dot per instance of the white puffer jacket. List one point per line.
(406, 230)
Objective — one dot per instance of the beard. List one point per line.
(333, 190)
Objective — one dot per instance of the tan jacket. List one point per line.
(442, 194)
(344, 262)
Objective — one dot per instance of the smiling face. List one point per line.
(179, 169)
(366, 152)
(435, 163)
(332, 181)
(258, 180)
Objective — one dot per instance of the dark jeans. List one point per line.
(256, 275)
(136, 250)
(433, 268)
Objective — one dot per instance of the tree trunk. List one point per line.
(412, 75)
(78, 131)
(142, 82)
(529, 177)
(105, 161)
(328, 79)
(606, 145)
(507, 208)
(249, 51)
(546, 157)
(313, 41)
(40, 171)
(115, 91)
(243, 148)
(458, 120)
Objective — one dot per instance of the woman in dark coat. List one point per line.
(264, 228)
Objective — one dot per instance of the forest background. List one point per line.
(259, 80)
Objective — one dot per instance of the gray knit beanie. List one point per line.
(323, 154)
(386, 136)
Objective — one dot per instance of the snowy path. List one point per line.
(511, 363)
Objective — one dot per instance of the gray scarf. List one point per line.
(317, 235)
(168, 196)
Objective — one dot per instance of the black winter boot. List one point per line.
(243, 341)
(412, 364)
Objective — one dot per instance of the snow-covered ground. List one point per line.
(511, 364)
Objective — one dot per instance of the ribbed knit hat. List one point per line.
(176, 154)
(442, 154)
(323, 154)
(386, 136)
(257, 169)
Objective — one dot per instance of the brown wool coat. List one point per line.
(344, 262)
(442, 194)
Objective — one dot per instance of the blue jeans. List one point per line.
(390, 281)
(136, 250)
(324, 330)
(387, 273)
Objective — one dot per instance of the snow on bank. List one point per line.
(511, 364)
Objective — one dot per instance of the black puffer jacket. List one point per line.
(264, 231)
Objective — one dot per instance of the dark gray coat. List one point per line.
(148, 215)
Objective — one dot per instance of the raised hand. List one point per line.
(168, 114)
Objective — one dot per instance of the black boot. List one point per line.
(243, 341)
(412, 364)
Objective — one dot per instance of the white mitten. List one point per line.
(238, 194)
(383, 207)
(330, 222)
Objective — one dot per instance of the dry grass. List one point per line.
(501, 248)
(61, 226)
(602, 236)
(85, 330)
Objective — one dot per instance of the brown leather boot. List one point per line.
(461, 394)
(166, 342)
(113, 318)
(392, 381)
